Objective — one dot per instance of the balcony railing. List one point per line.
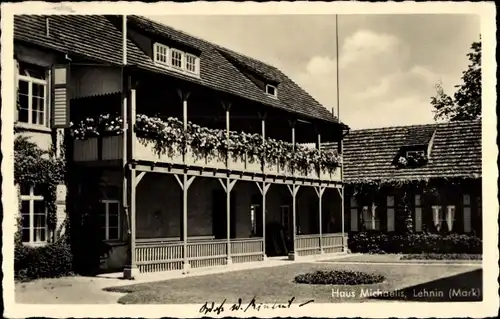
(111, 148)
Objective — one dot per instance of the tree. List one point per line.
(466, 102)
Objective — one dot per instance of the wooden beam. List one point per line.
(189, 181)
(184, 230)
(260, 188)
(231, 184)
(139, 178)
(222, 184)
(228, 219)
(181, 184)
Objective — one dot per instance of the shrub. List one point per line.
(433, 256)
(338, 277)
(50, 261)
(417, 243)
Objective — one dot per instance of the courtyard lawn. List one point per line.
(400, 258)
(275, 285)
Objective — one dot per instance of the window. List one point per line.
(109, 214)
(354, 214)
(271, 90)
(437, 216)
(191, 64)
(34, 215)
(390, 213)
(418, 213)
(161, 54)
(450, 216)
(177, 58)
(254, 209)
(32, 95)
(415, 154)
(370, 218)
(467, 213)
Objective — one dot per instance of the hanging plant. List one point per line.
(168, 136)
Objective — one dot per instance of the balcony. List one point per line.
(207, 149)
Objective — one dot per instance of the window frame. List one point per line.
(106, 214)
(156, 47)
(253, 219)
(195, 63)
(441, 216)
(415, 154)
(274, 88)
(374, 218)
(31, 80)
(31, 198)
(182, 61)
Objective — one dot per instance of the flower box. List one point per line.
(253, 164)
(271, 168)
(237, 163)
(217, 160)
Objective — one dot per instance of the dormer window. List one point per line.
(271, 90)
(161, 54)
(415, 154)
(176, 60)
(177, 57)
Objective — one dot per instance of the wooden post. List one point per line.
(184, 184)
(184, 95)
(343, 217)
(186, 265)
(227, 106)
(228, 187)
(294, 190)
(292, 124)
(319, 192)
(319, 151)
(263, 190)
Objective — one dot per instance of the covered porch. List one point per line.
(222, 227)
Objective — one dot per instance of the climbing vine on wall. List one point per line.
(36, 167)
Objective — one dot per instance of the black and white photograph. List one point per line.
(249, 159)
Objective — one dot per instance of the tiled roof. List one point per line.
(98, 38)
(455, 152)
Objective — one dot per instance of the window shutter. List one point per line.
(390, 219)
(16, 88)
(467, 220)
(60, 105)
(354, 219)
(418, 219)
(450, 216)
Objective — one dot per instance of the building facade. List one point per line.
(183, 153)
(431, 171)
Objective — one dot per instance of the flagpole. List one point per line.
(342, 211)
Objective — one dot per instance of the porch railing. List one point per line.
(307, 245)
(247, 250)
(156, 255)
(110, 148)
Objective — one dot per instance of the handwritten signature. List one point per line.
(253, 304)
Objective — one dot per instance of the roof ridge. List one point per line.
(428, 125)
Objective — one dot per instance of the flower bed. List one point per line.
(433, 256)
(338, 277)
(167, 136)
(378, 242)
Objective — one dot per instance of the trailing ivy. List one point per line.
(168, 137)
(36, 167)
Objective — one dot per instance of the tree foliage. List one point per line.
(466, 102)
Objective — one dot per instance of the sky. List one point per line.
(388, 64)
